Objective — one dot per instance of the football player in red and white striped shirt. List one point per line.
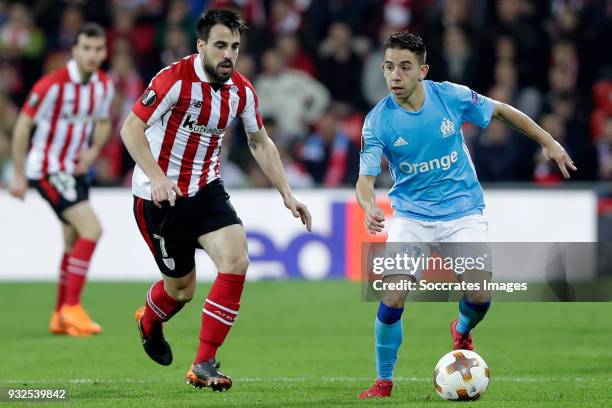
(67, 107)
(175, 133)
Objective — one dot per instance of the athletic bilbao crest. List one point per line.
(234, 106)
(447, 127)
(149, 97)
(169, 262)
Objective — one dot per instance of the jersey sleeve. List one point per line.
(104, 109)
(41, 97)
(476, 108)
(251, 118)
(159, 97)
(371, 151)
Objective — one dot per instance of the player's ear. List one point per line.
(424, 70)
(200, 44)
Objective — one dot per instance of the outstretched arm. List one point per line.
(266, 155)
(523, 123)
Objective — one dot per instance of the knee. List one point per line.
(395, 297)
(395, 300)
(181, 295)
(91, 231)
(96, 232)
(478, 297)
(395, 303)
(184, 296)
(237, 264)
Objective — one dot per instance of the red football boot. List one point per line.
(380, 389)
(461, 341)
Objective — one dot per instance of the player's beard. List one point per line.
(215, 76)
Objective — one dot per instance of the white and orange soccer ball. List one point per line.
(461, 375)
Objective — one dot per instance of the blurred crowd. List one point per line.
(315, 65)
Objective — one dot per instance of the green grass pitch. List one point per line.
(302, 344)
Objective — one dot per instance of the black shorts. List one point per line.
(172, 232)
(62, 191)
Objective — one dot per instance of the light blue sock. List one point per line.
(470, 314)
(388, 338)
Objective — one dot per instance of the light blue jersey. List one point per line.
(434, 177)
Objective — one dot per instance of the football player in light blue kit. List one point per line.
(436, 196)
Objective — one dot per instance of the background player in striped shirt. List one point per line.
(175, 133)
(67, 106)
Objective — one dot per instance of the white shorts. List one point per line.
(471, 228)
(464, 237)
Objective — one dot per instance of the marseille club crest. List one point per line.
(447, 127)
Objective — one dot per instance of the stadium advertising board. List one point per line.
(279, 247)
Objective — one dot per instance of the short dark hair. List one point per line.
(90, 30)
(405, 40)
(211, 17)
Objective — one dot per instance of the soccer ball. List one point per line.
(461, 375)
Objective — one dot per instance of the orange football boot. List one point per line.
(55, 324)
(77, 322)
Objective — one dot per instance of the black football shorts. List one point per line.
(172, 232)
(62, 191)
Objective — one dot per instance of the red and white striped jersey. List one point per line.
(64, 110)
(187, 119)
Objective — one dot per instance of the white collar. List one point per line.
(75, 75)
(199, 70)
